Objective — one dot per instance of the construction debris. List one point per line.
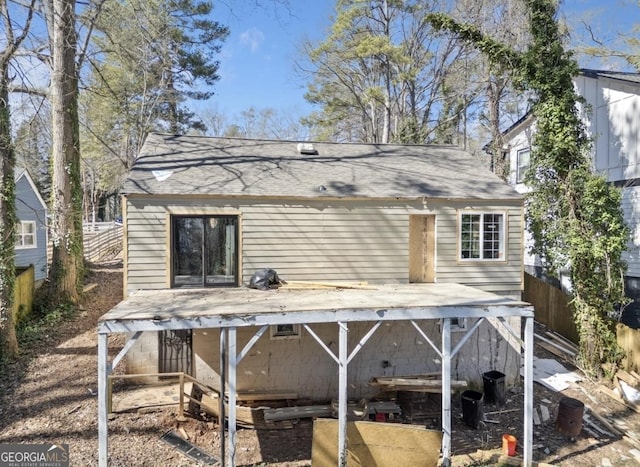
(182, 445)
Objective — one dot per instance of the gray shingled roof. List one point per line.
(630, 77)
(195, 165)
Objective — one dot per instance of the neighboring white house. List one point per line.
(611, 115)
(31, 226)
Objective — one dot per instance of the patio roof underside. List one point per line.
(231, 308)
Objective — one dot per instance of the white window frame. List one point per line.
(278, 333)
(502, 256)
(21, 235)
(520, 167)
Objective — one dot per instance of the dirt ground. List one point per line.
(49, 396)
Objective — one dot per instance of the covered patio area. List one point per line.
(228, 309)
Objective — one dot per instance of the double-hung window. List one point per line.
(524, 156)
(26, 235)
(482, 236)
(204, 251)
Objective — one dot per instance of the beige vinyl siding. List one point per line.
(334, 243)
(355, 241)
(494, 276)
(322, 241)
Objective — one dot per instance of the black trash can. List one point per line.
(472, 410)
(493, 382)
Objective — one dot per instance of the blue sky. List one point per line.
(257, 60)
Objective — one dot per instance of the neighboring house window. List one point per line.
(204, 251)
(482, 236)
(523, 164)
(285, 331)
(26, 234)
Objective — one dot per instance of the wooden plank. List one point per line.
(375, 443)
(292, 413)
(616, 397)
(336, 285)
(628, 378)
(419, 382)
(603, 421)
(266, 395)
(561, 348)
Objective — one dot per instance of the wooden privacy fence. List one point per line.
(23, 290)
(551, 306)
(552, 309)
(102, 240)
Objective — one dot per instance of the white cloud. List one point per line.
(252, 38)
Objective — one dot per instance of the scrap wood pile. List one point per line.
(626, 391)
(275, 409)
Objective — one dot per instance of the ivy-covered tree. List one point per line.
(13, 38)
(574, 215)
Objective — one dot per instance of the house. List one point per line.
(210, 212)
(611, 117)
(422, 245)
(31, 226)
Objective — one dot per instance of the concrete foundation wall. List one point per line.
(396, 349)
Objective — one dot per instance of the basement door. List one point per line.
(422, 248)
(175, 351)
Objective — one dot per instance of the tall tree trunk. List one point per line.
(67, 264)
(8, 340)
(500, 163)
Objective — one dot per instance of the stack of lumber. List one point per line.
(557, 345)
(429, 382)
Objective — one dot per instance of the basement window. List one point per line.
(457, 324)
(285, 331)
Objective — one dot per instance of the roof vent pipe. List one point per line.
(307, 148)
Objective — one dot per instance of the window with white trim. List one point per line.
(285, 331)
(482, 236)
(26, 235)
(523, 159)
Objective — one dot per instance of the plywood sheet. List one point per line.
(371, 444)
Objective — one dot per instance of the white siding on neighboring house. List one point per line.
(631, 208)
(613, 120)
